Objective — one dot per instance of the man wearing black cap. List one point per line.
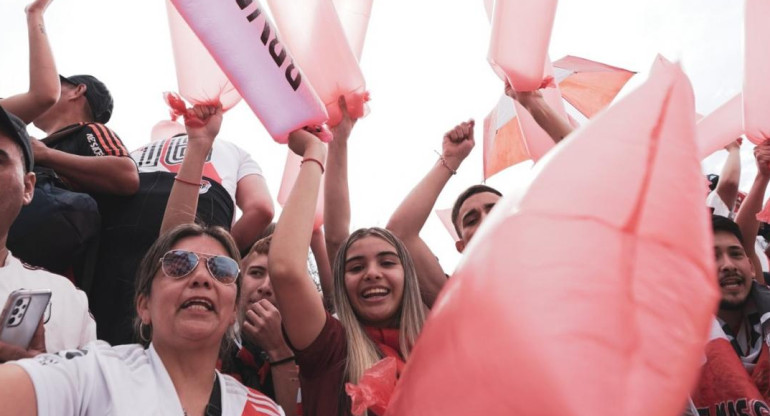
(79, 166)
(76, 132)
(67, 321)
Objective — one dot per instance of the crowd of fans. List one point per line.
(199, 312)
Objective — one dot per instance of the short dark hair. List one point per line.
(262, 246)
(724, 224)
(473, 190)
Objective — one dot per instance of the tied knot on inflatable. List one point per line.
(179, 109)
(548, 82)
(375, 388)
(321, 131)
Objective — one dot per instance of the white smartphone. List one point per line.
(21, 315)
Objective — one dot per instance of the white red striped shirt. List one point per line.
(124, 380)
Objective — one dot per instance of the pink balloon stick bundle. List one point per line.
(721, 127)
(313, 32)
(756, 84)
(354, 17)
(518, 47)
(245, 44)
(578, 296)
(199, 78)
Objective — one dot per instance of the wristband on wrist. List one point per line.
(178, 179)
(282, 361)
(310, 159)
(446, 165)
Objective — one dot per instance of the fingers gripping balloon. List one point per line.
(608, 319)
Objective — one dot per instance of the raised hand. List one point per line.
(458, 143)
(734, 145)
(342, 130)
(762, 154)
(203, 122)
(37, 6)
(262, 327)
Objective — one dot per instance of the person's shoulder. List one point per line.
(258, 400)
(98, 128)
(38, 275)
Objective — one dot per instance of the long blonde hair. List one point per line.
(362, 351)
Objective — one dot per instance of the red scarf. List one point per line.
(387, 340)
(725, 387)
(376, 386)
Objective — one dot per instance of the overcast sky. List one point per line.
(425, 65)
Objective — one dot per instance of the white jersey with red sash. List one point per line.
(728, 386)
(126, 380)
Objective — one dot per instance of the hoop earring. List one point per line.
(142, 336)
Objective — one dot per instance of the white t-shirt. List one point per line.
(124, 380)
(720, 208)
(226, 163)
(68, 324)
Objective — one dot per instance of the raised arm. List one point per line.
(409, 218)
(336, 191)
(729, 179)
(752, 204)
(44, 85)
(114, 175)
(202, 123)
(318, 246)
(545, 116)
(301, 308)
(253, 198)
(262, 327)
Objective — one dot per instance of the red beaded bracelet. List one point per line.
(177, 178)
(310, 159)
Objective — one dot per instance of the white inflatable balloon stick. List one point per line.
(244, 43)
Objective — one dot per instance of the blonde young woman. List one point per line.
(375, 293)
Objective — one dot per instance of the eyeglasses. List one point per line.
(180, 263)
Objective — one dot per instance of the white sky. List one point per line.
(425, 66)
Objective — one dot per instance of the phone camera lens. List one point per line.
(19, 302)
(12, 320)
(15, 311)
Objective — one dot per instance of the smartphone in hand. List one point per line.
(21, 315)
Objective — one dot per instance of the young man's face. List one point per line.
(16, 187)
(255, 283)
(734, 270)
(472, 213)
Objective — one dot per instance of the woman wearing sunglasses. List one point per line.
(376, 295)
(186, 296)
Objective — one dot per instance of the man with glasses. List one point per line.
(68, 323)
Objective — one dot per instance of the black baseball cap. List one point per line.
(97, 94)
(713, 181)
(14, 128)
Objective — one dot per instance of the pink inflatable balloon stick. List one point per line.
(756, 84)
(601, 319)
(164, 129)
(244, 43)
(290, 173)
(489, 5)
(199, 78)
(312, 30)
(521, 31)
(721, 127)
(354, 17)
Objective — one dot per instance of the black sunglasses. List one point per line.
(180, 263)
